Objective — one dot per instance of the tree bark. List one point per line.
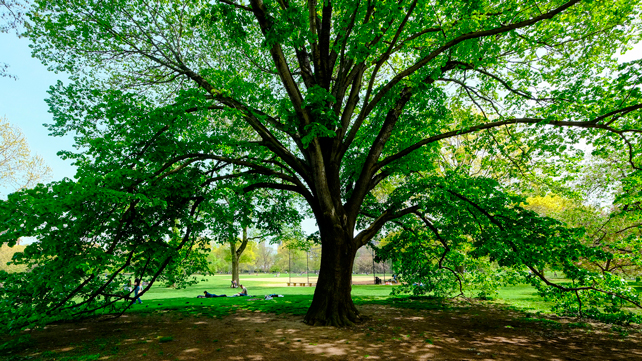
(235, 262)
(236, 255)
(332, 303)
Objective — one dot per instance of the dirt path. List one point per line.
(482, 332)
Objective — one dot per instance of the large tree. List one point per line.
(335, 100)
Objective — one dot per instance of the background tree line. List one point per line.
(265, 258)
(257, 257)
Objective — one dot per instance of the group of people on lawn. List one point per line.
(137, 289)
(210, 295)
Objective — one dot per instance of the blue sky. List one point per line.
(22, 102)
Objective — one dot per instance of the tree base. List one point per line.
(346, 316)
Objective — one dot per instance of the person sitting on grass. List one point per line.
(209, 295)
(242, 293)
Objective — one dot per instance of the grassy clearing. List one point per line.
(523, 297)
(526, 297)
(297, 299)
(260, 285)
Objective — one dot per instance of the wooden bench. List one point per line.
(301, 284)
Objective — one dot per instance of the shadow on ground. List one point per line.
(464, 332)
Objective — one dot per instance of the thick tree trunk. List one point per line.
(332, 303)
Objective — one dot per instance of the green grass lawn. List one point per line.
(526, 297)
(523, 297)
(260, 285)
(296, 299)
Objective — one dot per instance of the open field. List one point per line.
(523, 297)
(261, 284)
(174, 325)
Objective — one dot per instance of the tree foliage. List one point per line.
(351, 106)
(480, 228)
(220, 259)
(18, 167)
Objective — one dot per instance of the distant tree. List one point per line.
(363, 261)
(264, 256)
(220, 257)
(240, 220)
(550, 205)
(241, 251)
(216, 258)
(18, 167)
(290, 257)
(367, 262)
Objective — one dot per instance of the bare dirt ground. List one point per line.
(481, 332)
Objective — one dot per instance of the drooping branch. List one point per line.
(89, 279)
(574, 289)
(515, 249)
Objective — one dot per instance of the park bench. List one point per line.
(302, 284)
